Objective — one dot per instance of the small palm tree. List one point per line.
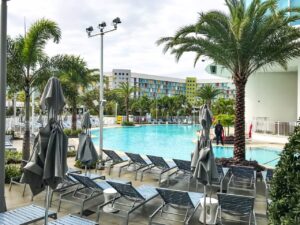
(27, 63)
(75, 77)
(243, 41)
(125, 91)
(207, 93)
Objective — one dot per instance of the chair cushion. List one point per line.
(147, 192)
(195, 198)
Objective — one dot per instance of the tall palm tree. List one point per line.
(243, 41)
(125, 91)
(27, 62)
(207, 93)
(75, 77)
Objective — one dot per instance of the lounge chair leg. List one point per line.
(159, 180)
(98, 214)
(126, 219)
(51, 197)
(120, 171)
(109, 170)
(142, 175)
(10, 185)
(59, 203)
(24, 190)
(136, 174)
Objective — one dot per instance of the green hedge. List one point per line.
(73, 133)
(125, 123)
(71, 153)
(13, 157)
(80, 165)
(285, 185)
(12, 171)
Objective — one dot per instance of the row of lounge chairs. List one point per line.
(135, 197)
(84, 188)
(242, 178)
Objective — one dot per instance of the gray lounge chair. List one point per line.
(24, 215)
(242, 178)
(184, 166)
(115, 159)
(134, 197)
(72, 220)
(138, 162)
(88, 190)
(161, 164)
(68, 182)
(267, 177)
(236, 205)
(222, 172)
(188, 202)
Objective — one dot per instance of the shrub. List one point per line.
(80, 165)
(67, 131)
(285, 185)
(13, 157)
(10, 111)
(227, 162)
(12, 171)
(125, 123)
(72, 133)
(71, 153)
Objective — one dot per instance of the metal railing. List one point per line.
(266, 126)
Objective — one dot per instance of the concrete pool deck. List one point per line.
(140, 217)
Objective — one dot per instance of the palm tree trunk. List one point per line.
(239, 125)
(74, 117)
(127, 112)
(26, 138)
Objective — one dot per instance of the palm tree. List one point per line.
(27, 62)
(125, 91)
(223, 106)
(207, 93)
(75, 77)
(243, 41)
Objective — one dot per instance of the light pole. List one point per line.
(3, 76)
(89, 31)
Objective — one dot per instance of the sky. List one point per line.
(132, 46)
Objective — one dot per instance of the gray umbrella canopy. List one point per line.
(203, 161)
(86, 152)
(86, 121)
(48, 161)
(53, 99)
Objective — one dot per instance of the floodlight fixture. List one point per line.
(102, 25)
(115, 22)
(89, 30)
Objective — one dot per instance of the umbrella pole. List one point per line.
(85, 170)
(204, 206)
(47, 204)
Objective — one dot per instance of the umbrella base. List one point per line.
(211, 211)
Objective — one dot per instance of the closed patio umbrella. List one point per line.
(48, 162)
(203, 161)
(86, 152)
(86, 121)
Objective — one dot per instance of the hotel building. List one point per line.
(158, 86)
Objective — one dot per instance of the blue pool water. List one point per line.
(170, 141)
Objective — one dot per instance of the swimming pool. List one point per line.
(170, 141)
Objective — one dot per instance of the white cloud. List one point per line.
(132, 46)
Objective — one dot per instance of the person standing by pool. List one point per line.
(218, 132)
